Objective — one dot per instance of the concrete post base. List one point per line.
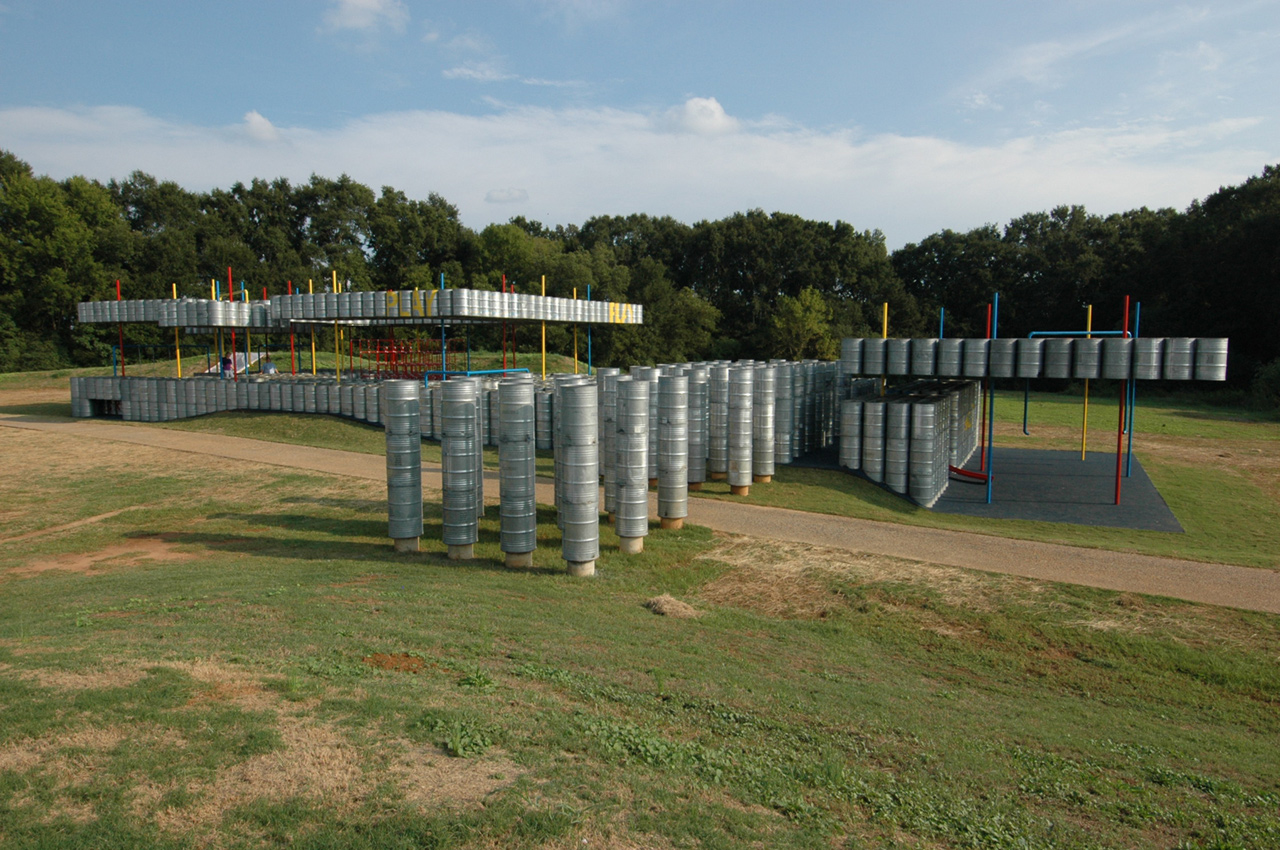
(519, 559)
(695, 486)
(581, 568)
(613, 519)
(653, 482)
(761, 479)
(462, 553)
(740, 490)
(675, 524)
(631, 545)
(405, 544)
(718, 476)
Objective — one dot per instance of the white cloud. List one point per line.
(366, 15)
(259, 128)
(702, 116)
(479, 72)
(572, 164)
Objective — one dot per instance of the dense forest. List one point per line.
(750, 285)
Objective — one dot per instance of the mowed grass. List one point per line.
(241, 660)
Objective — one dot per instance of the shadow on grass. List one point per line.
(43, 410)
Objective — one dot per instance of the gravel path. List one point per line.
(1216, 584)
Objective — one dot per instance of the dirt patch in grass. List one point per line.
(667, 605)
(398, 663)
(131, 553)
(108, 676)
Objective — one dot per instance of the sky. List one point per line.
(905, 117)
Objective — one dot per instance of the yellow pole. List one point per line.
(575, 337)
(177, 346)
(1084, 432)
(544, 333)
(337, 357)
(884, 334)
(311, 291)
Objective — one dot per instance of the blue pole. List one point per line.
(942, 321)
(114, 373)
(991, 405)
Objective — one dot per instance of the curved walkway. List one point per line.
(1215, 584)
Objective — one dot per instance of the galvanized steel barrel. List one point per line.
(404, 460)
(631, 516)
(1179, 358)
(580, 500)
(517, 458)
(950, 358)
(975, 357)
(741, 380)
(543, 401)
(1117, 358)
(459, 452)
(763, 420)
(1030, 357)
(1211, 359)
(1148, 354)
(699, 401)
(897, 434)
(1057, 357)
(607, 392)
(1000, 357)
(673, 446)
(1087, 358)
(873, 415)
(718, 420)
(783, 413)
(851, 356)
(851, 434)
(873, 356)
(923, 479)
(898, 356)
(924, 353)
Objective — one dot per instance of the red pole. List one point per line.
(1124, 394)
(122, 372)
(982, 444)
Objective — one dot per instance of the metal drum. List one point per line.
(924, 484)
(632, 494)
(851, 356)
(580, 501)
(1000, 355)
(359, 401)
(673, 446)
(1147, 356)
(897, 434)
(371, 409)
(718, 420)
(1030, 357)
(543, 402)
(699, 400)
(458, 453)
(298, 403)
(607, 393)
(783, 413)
(1087, 357)
(518, 510)
(975, 357)
(741, 380)
(950, 357)
(924, 353)
(851, 434)
(309, 398)
(873, 356)
(873, 415)
(1117, 358)
(763, 414)
(1057, 357)
(898, 356)
(404, 460)
(1211, 359)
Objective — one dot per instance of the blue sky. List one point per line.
(905, 116)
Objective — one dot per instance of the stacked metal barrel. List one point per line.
(404, 464)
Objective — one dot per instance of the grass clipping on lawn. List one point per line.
(667, 605)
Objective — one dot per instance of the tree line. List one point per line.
(749, 285)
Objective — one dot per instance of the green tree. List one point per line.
(802, 327)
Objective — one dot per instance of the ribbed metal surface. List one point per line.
(924, 484)
(518, 513)
(459, 451)
(543, 401)
(924, 354)
(873, 416)
(898, 356)
(783, 413)
(1117, 358)
(975, 357)
(718, 420)
(851, 356)
(632, 495)
(404, 460)
(1030, 357)
(1211, 359)
(897, 433)
(607, 392)
(1057, 357)
(851, 434)
(950, 357)
(673, 446)
(1148, 355)
(1086, 355)
(873, 356)
(1000, 358)
(741, 380)
(763, 420)
(699, 402)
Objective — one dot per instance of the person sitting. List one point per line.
(268, 367)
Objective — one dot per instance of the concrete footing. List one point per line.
(718, 476)
(405, 544)
(613, 519)
(462, 553)
(581, 568)
(673, 523)
(653, 482)
(740, 489)
(631, 545)
(519, 559)
(695, 486)
(761, 479)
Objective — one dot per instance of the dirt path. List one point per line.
(1216, 584)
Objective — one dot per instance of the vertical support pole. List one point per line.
(1124, 397)
(248, 339)
(991, 421)
(544, 332)
(311, 291)
(588, 332)
(1133, 394)
(986, 385)
(575, 336)
(444, 350)
(121, 328)
(337, 354)
(293, 361)
(884, 334)
(504, 328)
(177, 344)
(231, 298)
(942, 322)
(1084, 430)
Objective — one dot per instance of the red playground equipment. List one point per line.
(382, 359)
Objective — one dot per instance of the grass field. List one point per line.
(207, 653)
